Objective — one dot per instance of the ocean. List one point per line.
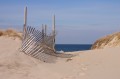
(72, 47)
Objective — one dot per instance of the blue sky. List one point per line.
(77, 21)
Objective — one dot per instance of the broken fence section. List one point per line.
(40, 45)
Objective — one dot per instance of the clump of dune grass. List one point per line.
(10, 33)
(1, 33)
(106, 40)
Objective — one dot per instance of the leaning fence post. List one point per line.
(42, 33)
(25, 16)
(45, 27)
(25, 23)
(53, 31)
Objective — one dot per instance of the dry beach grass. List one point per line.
(10, 33)
(112, 40)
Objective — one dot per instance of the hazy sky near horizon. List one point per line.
(77, 21)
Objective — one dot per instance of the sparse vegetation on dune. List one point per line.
(10, 33)
(1, 33)
(112, 40)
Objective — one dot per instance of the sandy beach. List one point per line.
(36, 37)
(92, 64)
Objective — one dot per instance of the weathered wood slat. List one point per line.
(32, 50)
(37, 51)
(27, 43)
(30, 47)
(38, 36)
(28, 40)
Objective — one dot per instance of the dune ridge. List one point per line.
(11, 33)
(112, 40)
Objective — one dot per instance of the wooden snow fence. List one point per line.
(40, 45)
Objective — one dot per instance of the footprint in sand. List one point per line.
(69, 77)
(84, 68)
(81, 74)
(83, 71)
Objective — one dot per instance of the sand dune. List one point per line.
(93, 64)
(11, 33)
(112, 40)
